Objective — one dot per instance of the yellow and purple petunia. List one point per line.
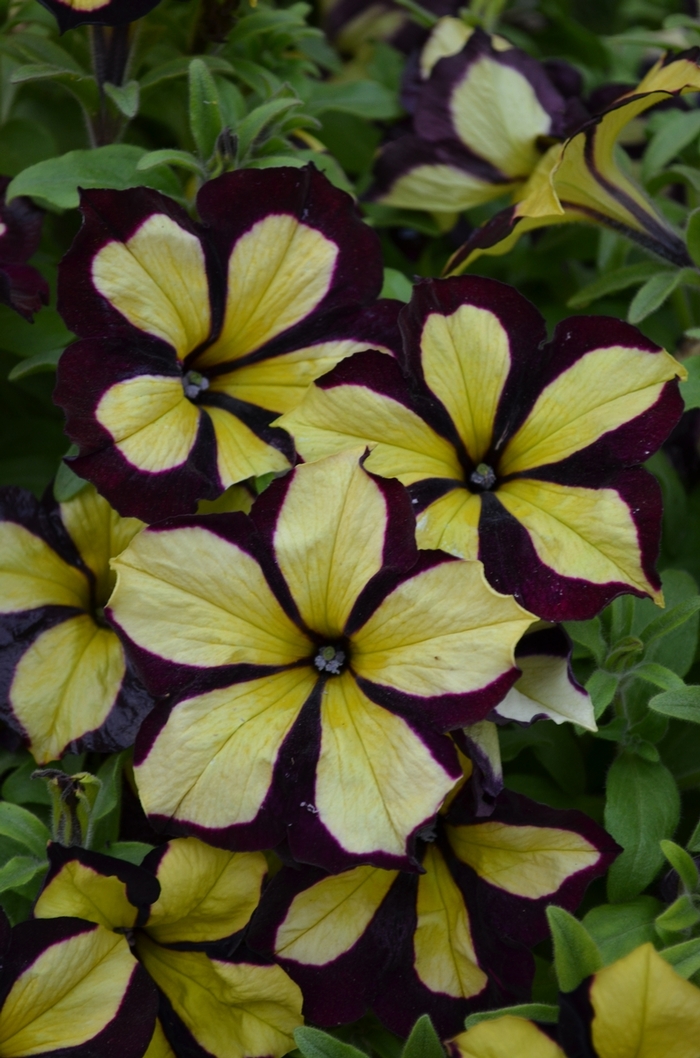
(72, 13)
(21, 287)
(580, 179)
(637, 1006)
(179, 921)
(518, 451)
(70, 987)
(195, 336)
(315, 659)
(65, 682)
(448, 941)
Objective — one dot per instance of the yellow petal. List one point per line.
(151, 421)
(376, 781)
(505, 1037)
(233, 1010)
(240, 453)
(77, 891)
(158, 280)
(403, 446)
(441, 188)
(66, 684)
(526, 861)
(68, 994)
(328, 918)
(329, 539)
(545, 687)
(32, 574)
(445, 960)
(278, 273)
(444, 631)
(644, 1009)
(586, 533)
(98, 533)
(574, 410)
(194, 598)
(213, 761)
(447, 37)
(466, 361)
(451, 524)
(206, 893)
(159, 1046)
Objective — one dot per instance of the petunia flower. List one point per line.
(65, 682)
(21, 287)
(483, 114)
(173, 910)
(70, 987)
(445, 942)
(321, 660)
(521, 452)
(72, 13)
(639, 1005)
(195, 336)
(580, 179)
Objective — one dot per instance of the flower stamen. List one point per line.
(194, 383)
(330, 659)
(483, 477)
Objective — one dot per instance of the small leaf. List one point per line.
(588, 634)
(205, 111)
(656, 290)
(601, 687)
(316, 1044)
(23, 827)
(690, 389)
(33, 364)
(682, 863)
(132, 851)
(253, 125)
(396, 285)
(547, 1013)
(126, 98)
(169, 157)
(677, 132)
(684, 957)
(670, 620)
(424, 1041)
(681, 704)
(659, 675)
(612, 282)
(576, 954)
(618, 929)
(67, 484)
(19, 871)
(681, 915)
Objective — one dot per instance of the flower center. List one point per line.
(330, 659)
(194, 383)
(483, 477)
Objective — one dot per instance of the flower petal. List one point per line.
(33, 574)
(159, 1046)
(206, 894)
(445, 960)
(451, 523)
(190, 596)
(87, 668)
(241, 452)
(233, 1010)
(71, 984)
(210, 766)
(376, 780)
(503, 1038)
(153, 424)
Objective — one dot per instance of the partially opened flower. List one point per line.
(21, 287)
(444, 942)
(321, 660)
(517, 451)
(484, 112)
(72, 13)
(72, 987)
(581, 180)
(65, 682)
(173, 909)
(195, 336)
(637, 1006)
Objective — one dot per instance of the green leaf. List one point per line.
(682, 704)
(682, 863)
(67, 484)
(612, 282)
(576, 954)
(694, 840)
(79, 84)
(618, 929)
(677, 131)
(23, 827)
(131, 851)
(656, 290)
(681, 915)
(257, 121)
(21, 871)
(55, 182)
(126, 98)
(423, 1041)
(169, 157)
(690, 389)
(316, 1044)
(205, 111)
(602, 687)
(670, 620)
(642, 808)
(396, 285)
(684, 957)
(367, 99)
(33, 364)
(547, 1013)
(588, 634)
(104, 817)
(659, 675)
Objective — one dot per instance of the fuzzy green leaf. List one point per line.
(576, 954)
